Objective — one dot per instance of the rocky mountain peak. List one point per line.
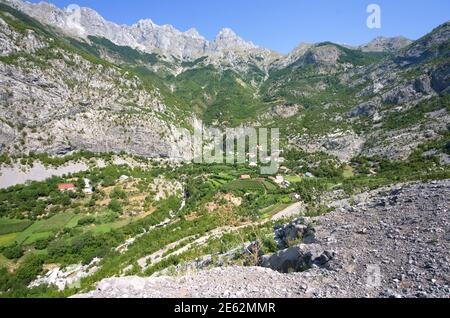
(192, 32)
(386, 44)
(145, 24)
(144, 35)
(228, 39)
(226, 33)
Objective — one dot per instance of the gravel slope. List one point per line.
(403, 232)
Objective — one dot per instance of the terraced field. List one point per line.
(44, 228)
(8, 226)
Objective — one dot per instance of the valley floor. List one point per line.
(400, 233)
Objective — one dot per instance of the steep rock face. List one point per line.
(55, 101)
(12, 42)
(327, 54)
(440, 80)
(415, 76)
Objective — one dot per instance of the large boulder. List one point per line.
(294, 233)
(296, 259)
(364, 109)
(423, 85)
(441, 79)
(289, 260)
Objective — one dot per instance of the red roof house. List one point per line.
(66, 187)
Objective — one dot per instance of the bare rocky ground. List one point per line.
(402, 232)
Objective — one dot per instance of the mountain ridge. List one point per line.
(329, 95)
(152, 38)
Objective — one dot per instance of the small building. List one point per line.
(279, 179)
(309, 175)
(253, 164)
(87, 186)
(245, 177)
(67, 187)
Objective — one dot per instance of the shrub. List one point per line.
(115, 206)
(42, 244)
(86, 221)
(30, 268)
(13, 252)
(118, 193)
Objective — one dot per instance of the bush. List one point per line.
(447, 148)
(30, 268)
(13, 252)
(42, 244)
(108, 217)
(269, 246)
(86, 221)
(118, 193)
(115, 206)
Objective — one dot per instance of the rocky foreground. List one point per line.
(388, 243)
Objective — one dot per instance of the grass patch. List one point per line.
(4, 262)
(37, 236)
(244, 185)
(293, 179)
(348, 172)
(55, 223)
(106, 228)
(8, 226)
(273, 209)
(74, 221)
(7, 239)
(270, 186)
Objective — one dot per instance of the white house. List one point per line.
(279, 179)
(87, 186)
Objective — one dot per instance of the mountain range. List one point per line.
(76, 81)
(166, 40)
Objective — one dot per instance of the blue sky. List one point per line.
(280, 24)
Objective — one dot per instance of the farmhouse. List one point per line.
(245, 177)
(280, 181)
(67, 187)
